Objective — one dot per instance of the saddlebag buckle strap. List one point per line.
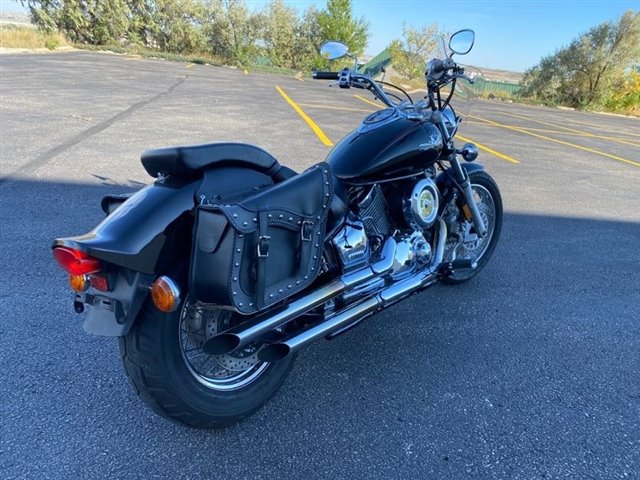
(263, 253)
(306, 232)
(263, 246)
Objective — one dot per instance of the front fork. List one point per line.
(462, 177)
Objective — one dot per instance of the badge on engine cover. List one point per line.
(424, 203)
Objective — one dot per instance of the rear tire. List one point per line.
(156, 365)
(482, 185)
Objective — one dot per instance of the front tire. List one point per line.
(175, 386)
(461, 243)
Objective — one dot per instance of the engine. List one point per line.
(405, 210)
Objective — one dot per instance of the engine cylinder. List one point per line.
(373, 212)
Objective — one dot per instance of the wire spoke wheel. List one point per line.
(463, 241)
(217, 372)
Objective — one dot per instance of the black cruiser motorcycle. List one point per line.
(218, 273)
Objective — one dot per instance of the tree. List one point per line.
(177, 26)
(91, 21)
(231, 30)
(280, 39)
(308, 41)
(290, 40)
(411, 53)
(584, 73)
(142, 22)
(336, 22)
(625, 95)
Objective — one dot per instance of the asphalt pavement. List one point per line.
(530, 370)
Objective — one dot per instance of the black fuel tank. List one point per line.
(386, 144)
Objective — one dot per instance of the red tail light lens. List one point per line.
(76, 262)
(99, 282)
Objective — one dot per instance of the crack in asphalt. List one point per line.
(42, 159)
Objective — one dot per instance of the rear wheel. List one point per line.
(462, 240)
(163, 357)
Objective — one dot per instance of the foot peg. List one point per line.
(447, 268)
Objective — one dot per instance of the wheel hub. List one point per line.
(468, 243)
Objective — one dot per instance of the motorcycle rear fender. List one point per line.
(147, 235)
(136, 234)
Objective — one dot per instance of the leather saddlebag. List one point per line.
(250, 255)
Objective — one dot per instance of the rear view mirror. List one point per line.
(461, 42)
(332, 50)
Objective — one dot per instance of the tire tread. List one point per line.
(142, 357)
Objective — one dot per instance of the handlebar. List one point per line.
(441, 66)
(357, 80)
(326, 75)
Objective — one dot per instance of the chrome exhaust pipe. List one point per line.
(250, 331)
(277, 351)
(386, 297)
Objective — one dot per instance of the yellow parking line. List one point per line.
(634, 143)
(560, 132)
(299, 79)
(190, 65)
(579, 147)
(587, 134)
(604, 129)
(316, 129)
(546, 130)
(128, 59)
(333, 107)
(379, 105)
(488, 150)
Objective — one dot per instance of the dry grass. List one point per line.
(27, 37)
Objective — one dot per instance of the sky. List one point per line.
(510, 34)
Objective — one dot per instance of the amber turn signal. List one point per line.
(79, 283)
(165, 294)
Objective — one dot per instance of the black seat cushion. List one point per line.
(191, 159)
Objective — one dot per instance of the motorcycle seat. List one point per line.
(189, 160)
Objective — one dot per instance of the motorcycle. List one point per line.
(217, 274)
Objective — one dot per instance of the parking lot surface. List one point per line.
(531, 370)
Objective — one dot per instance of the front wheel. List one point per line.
(462, 240)
(163, 357)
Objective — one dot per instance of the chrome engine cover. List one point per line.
(352, 243)
(412, 252)
(421, 208)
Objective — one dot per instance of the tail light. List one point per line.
(76, 262)
(100, 282)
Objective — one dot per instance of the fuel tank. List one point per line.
(386, 144)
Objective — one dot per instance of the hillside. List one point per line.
(501, 75)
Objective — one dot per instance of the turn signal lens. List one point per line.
(165, 294)
(79, 283)
(76, 262)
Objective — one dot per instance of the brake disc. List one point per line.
(200, 325)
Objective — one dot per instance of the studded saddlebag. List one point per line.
(250, 255)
